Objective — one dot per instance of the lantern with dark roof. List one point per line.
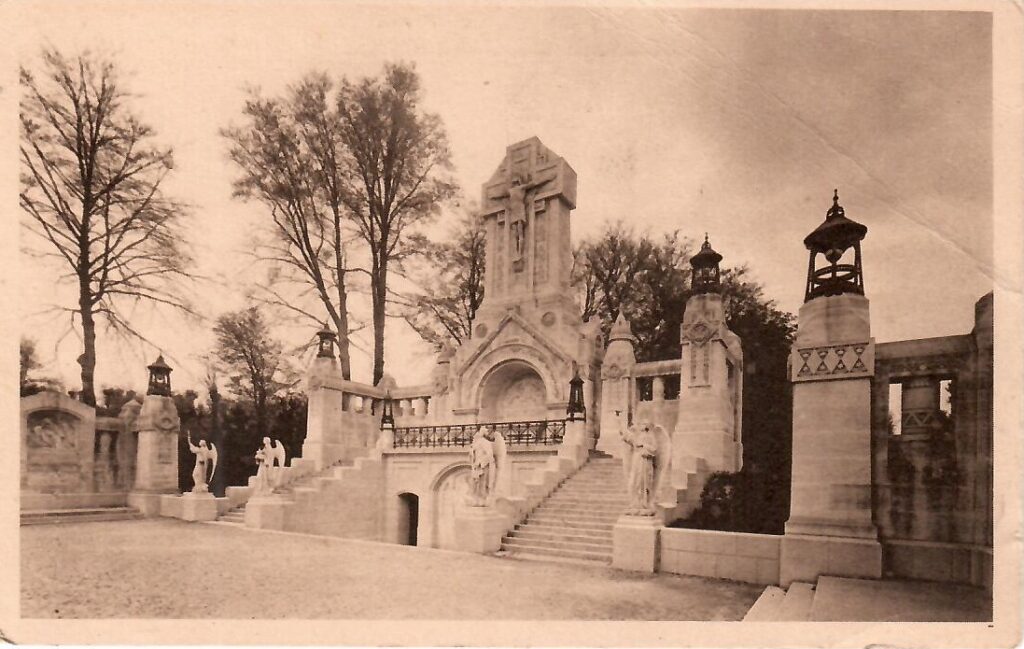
(325, 346)
(832, 239)
(159, 378)
(576, 410)
(706, 275)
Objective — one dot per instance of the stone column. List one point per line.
(156, 463)
(616, 386)
(324, 413)
(830, 530)
(710, 394)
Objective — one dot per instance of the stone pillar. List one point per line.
(709, 425)
(830, 530)
(156, 463)
(324, 413)
(104, 468)
(617, 386)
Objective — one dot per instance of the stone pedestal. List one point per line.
(830, 530)
(480, 529)
(189, 507)
(635, 543)
(265, 512)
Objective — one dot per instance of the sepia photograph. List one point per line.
(508, 324)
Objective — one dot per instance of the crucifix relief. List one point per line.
(519, 200)
(526, 204)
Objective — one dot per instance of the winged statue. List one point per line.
(206, 457)
(646, 464)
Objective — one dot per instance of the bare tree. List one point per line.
(288, 152)
(90, 185)
(451, 286)
(396, 176)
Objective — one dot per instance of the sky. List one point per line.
(738, 123)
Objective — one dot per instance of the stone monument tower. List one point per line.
(830, 530)
(711, 379)
(156, 465)
(528, 337)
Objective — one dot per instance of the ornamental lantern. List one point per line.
(325, 347)
(159, 378)
(387, 416)
(576, 411)
(833, 239)
(706, 276)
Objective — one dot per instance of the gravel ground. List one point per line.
(172, 569)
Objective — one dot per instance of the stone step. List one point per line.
(575, 513)
(544, 525)
(595, 509)
(85, 515)
(574, 500)
(528, 556)
(796, 606)
(581, 546)
(767, 606)
(526, 548)
(528, 534)
(569, 521)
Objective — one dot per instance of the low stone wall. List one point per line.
(36, 501)
(751, 558)
(945, 562)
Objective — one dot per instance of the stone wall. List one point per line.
(70, 458)
(751, 558)
(932, 469)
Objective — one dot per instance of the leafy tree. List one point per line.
(396, 176)
(451, 286)
(29, 359)
(290, 153)
(91, 189)
(251, 358)
(649, 281)
(29, 382)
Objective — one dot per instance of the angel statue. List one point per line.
(483, 467)
(205, 455)
(272, 451)
(645, 464)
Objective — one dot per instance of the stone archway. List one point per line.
(449, 495)
(513, 391)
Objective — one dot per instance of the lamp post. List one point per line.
(387, 417)
(832, 239)
(706, 274)
(576, 410)
(325, 345)
(159, 378)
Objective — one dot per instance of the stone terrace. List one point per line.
(209, 571)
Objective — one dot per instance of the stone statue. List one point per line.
(517, 202)
(272, 451)
(206, 455)
(483, 467)
(646, 463)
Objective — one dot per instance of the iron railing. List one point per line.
(515, 433)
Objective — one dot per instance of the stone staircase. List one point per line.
(848, 599)
(236, 515)
(778, 605)
(575, 522)
(82, 515)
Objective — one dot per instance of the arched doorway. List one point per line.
(450, 500)
(513, 391)
(408, 518)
